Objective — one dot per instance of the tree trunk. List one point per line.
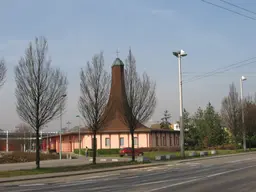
(133, 151)
(94, 148)
(37, 149)
(250, 144)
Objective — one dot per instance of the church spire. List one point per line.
(117, 62)
(117, 53)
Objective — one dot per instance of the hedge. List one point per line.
(108, 151)
(99, 151)
(116, 151)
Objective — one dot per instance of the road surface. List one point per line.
(229, 174)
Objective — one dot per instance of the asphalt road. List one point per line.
(236, 174)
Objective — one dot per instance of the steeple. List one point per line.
(117, 103)
(117, 98)
(117, 62)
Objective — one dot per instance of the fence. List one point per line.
(13, 141)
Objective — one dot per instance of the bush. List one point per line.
(116, 151)
(168, 149)
(224, 147)
(99, 151)
(18, 157)
(108, 151)
(76, 151)
(251, 143)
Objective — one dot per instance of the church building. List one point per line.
(115, 134)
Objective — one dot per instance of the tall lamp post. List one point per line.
(79, 134)
(47, 135)
(7, 141)
(68, 123)
(242, 79)
(180, 54)
(60, 150)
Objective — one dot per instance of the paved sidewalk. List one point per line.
(58, 163)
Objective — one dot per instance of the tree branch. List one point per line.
(140, 92)
(95, 87)
(2, 72)
(39, 87)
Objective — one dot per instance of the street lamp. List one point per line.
(180, 54)
(7, 141)
(47, 136)
(68, 123)
(79, 134)
(60, 150)
(242, 105)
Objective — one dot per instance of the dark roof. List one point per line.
(141, 130)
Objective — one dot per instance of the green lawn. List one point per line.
(64, 169)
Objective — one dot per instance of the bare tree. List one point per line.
(95, 87)
(141, 98)
(2, 72)
(231, 113)
(40, 89)
(24, 131)
(23, 127)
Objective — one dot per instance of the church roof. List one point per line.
(118, 62)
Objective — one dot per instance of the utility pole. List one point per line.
(60, 149)
(68, 123)
(79, 134)
(180, 54)
(7, 141)
(30, 140)
(242, 105)
(24, 138)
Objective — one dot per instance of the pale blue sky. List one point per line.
(76, 29)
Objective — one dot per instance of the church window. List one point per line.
(107, 142)
(121, 141)
(135, 141)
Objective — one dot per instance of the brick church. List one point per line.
(115, 134)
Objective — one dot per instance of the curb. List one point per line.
(44, 176)
(215, 157)
(108, 160)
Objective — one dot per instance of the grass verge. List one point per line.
(151, 155)
(4, 174)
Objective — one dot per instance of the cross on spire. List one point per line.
(117, 53)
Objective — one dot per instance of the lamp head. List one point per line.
(243, 78)
(180, 53)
